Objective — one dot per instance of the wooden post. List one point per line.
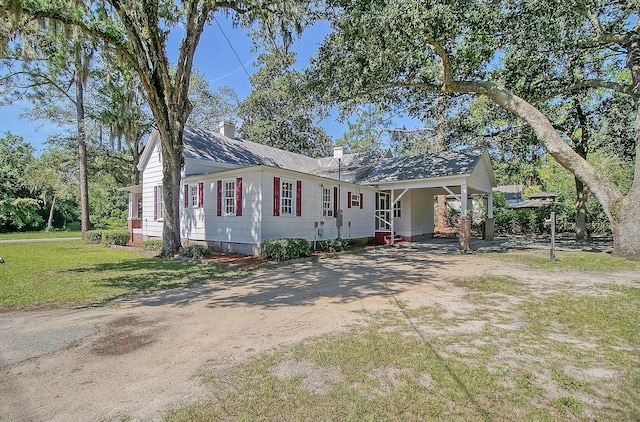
(552, 252)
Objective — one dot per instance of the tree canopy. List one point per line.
(409, 52)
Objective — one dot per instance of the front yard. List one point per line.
(537, 345)
(72, 273)
(382, 334)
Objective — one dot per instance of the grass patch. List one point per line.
(72, 272)
(580, 261)
(493, 284)
(611, 319)
(39, 235)
(420, 364)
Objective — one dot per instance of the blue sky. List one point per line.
(214, 58)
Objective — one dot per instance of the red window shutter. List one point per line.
(299, 198)
(200, 195)
(335, 202)
(186, 196)
(239, 196)
(155, 202)
(361, 200)
(276, 196)
(219, 200)
(349, 200)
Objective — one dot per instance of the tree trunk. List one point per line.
(82, 144)
(581, 146)
(626, 212)
(135, 154)
(442, 211)
(582, 195)
(171, 178)
(624, 218)
(50, 219)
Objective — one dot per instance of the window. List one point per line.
(229, 197)
(355, 200)
(327, 202)
(193, 196)
(397, 210)
(159, 206)
(286, 198)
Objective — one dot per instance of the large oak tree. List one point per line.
(411, 51)
(139, 30)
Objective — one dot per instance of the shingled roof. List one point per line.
(214, 147)
(425, 166)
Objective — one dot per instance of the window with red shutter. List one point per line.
(299, 198)
(200, 195)
(186, 196)
(239, 196)
(335, 202)
(361, 200)
(219, 198)
(155, 202)
(276, 196)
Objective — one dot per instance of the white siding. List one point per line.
(152, 177)
(480, 179)
(422, 215)
(305, 226)
(417, 215)
(243, 229)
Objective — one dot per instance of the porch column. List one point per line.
(464, 198)
(464, 222)
(391, 205)
(489, 224)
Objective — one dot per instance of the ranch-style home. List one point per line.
(236, 193)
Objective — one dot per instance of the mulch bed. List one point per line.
(234, 259)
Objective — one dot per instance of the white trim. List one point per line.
(292, 198)
(232, 197)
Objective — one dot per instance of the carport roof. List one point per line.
(425, 166)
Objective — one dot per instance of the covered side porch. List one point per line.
(408, 188)
(134, 215)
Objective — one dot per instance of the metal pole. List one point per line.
(339, 216)
(552, 252)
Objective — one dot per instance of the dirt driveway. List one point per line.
(145, 355)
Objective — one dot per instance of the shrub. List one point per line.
(284, 249)
(333, 245)
(152, 245)
(115, 237)
(93, 237)
(73, 226)
(194, 251)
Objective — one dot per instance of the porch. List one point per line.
(407, 188)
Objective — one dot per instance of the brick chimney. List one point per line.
(227, 129)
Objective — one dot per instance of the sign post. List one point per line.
(552, 252)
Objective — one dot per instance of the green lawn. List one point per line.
(580, 261)
(73, 273)
(39, 235)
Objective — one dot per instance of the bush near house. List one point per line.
(333, 245)
(194, 251)
(152, 245)
(115, 237)
(284, 249)
(93, 237)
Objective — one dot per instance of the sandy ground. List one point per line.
(147, 354)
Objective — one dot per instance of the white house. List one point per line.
(236, 193)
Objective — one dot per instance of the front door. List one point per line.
(383, 212)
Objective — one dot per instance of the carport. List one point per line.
(407, 187)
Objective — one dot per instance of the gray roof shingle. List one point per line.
(425, 166)
(212, 146)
